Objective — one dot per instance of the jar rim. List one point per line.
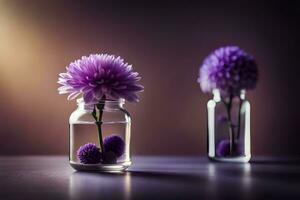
(218, 94)
(120, 100)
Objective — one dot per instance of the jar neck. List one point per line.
(218, 95)
(107, 104)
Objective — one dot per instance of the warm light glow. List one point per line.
(22, 51)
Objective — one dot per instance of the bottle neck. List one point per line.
(218, 95)
(106, 104)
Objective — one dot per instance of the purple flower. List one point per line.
(109, 158)
(100, 75)
(222, 119)
(229, 69)
(115, 144)
(89, 154)
(223, 148)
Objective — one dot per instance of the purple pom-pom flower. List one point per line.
(89, 154)
(100, 75)
(229, 69)
(223, 148)
(222, 119)
(109, 158)
(115, 144)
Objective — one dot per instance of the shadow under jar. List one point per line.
(229, 128)
(106, 128)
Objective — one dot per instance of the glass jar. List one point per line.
(100, 136)
(229, 128)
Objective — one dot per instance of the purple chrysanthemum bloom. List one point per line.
(115, 144)
(89, 154)
(229, 69)
(100, 75)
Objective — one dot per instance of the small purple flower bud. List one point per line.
(89, 154)
(222, 119)
(115, 144)
(109, 158)
(223, 148)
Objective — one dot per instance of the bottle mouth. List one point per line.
(218, 94)
(106, 101)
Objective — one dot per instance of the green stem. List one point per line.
(230, 125)
(98, 122)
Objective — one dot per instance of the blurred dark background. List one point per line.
(166, 42)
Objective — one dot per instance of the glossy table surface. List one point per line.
(150, 177)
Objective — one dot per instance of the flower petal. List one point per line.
(73, 95)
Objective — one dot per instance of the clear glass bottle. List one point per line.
(229, 128)
(84, 129)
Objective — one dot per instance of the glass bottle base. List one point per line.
(100, 167)
(232, 159)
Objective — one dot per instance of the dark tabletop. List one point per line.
(51, 177)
